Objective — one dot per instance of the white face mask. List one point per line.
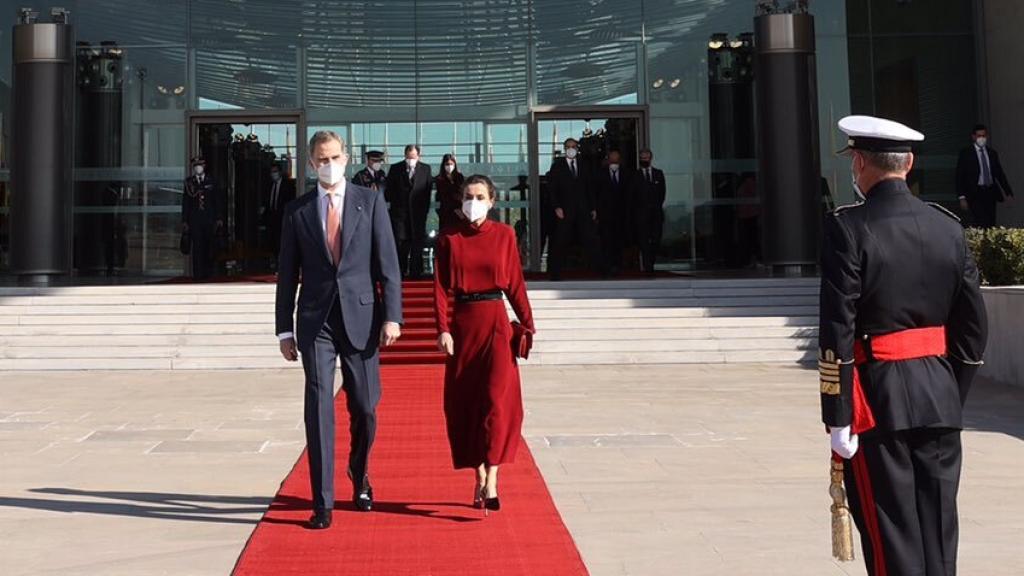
(475, 209)
(331, 173)
(614, 167)
(411, 162)
(449, 168)
(275, 176)
(199, 169)
(571, 153)
(981, 141)
(376, 166)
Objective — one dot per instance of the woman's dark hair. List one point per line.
(446, 158)
(480, 179)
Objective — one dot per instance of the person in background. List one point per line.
(201, 218)
(613, 213)
(572, 195)
(408, 195)
(281, 191)
(478, 261)
(647, 192)
(373, 175)
(448, 193)
(981, 182)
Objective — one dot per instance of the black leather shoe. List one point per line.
(320, 520)
(363, 500)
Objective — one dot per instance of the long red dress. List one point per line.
(483, 403)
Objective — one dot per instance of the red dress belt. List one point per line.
(902, 345)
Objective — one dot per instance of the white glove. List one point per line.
(843, 442)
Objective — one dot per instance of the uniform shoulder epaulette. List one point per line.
(839, 209)
(944, 210)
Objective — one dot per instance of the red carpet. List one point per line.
(423, 522)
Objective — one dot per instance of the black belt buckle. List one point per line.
(478, 297)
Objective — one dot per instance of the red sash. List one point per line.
(902, 345)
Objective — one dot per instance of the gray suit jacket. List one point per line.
(368, 258)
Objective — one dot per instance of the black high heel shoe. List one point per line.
(491, 505)
(478, 497)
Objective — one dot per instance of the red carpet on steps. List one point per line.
(423, 522)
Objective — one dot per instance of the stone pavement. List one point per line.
(681, 470)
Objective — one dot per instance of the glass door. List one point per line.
(600, 132)
(256, 166)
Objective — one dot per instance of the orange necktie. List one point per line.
(333, 230)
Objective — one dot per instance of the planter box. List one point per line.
(1004, 356)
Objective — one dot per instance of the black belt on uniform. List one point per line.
(478, 296)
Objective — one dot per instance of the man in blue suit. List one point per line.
(338, 237)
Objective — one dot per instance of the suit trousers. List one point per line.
(983, 206)
(577, 225)
(902, 489)
(360, 371)
(649, 231)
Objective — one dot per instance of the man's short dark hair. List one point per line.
(646, 151)
(573, 140)
(411, 147)
(980, 127)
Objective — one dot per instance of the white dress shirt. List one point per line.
(321, 208)
(983, 160)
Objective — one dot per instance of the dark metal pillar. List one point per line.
(789, 160)
(41, 149)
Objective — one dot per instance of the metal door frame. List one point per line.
(639, 112)
(196, 118)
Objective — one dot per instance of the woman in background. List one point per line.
(449, 193)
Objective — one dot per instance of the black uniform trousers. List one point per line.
(577, 225)
(648, 234)
(902, 488)
(360, 371)
(202, 231)
(983, 206)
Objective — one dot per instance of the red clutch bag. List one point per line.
(522, 340)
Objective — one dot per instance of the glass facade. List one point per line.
(497, 84)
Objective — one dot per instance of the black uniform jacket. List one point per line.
(889, 264)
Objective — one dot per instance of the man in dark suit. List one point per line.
(571, 185)
(338, 239)
(613, 213)
(201, 218)
(647, 192)
(281, 191)
(373, 175)
(901, 335)
(408, 196)
(980, 180)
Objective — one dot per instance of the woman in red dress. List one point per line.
(478, 261)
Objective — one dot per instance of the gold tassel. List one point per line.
(842, 529)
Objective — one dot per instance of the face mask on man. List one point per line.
(614, 167)
(331, 173)
(198, 169)
(376, 166)
(856, 187)
(571, 153)
(275, 176)
(981, 141)
(475, 209)
(449, 168)
(411, 162)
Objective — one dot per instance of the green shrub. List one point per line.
(999, 253)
